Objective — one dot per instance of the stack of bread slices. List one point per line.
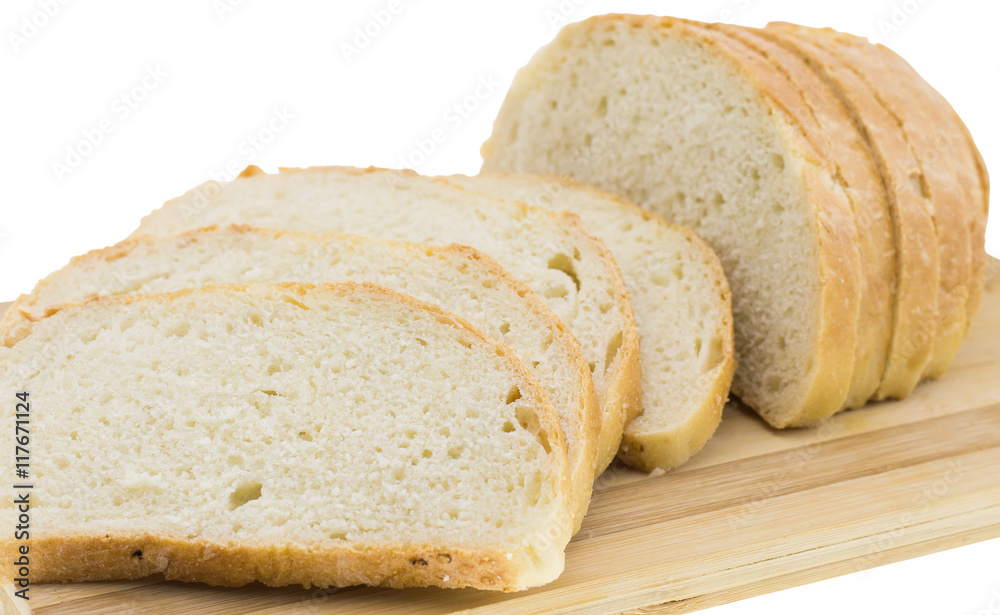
(425, 400)
(338, 376)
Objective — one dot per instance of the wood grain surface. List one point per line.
(756, 511)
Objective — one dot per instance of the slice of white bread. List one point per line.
(655, 110)
(569, 269)
(948, 174)
(682, 307)
(457, 279)
(288, 434)
(918, 271)
(826, 123)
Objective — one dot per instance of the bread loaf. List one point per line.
(288, 434)
(658, 111)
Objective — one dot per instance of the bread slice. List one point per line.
(288, 434)
(826, 123)
(655, 110)
(948, 172)
(917, 263)
(455, 278)
(552, 253)
(682, 307)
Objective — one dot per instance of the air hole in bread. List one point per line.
(602, 106)
(293, 301)
(505, 328)
(679, 271)
(527, 418)
(561, 262)
(127, 322)
(613, 347)
(556, 292)
(715, 353)
(513, 395)
(247, 491)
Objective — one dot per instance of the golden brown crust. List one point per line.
(826, 124)
(978, 206)
(977, 232)
(935, 141)
(928, 122)
(913, 224)
(112, 555)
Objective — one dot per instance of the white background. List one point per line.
(174, 93)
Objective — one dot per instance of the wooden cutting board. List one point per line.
(756, 511)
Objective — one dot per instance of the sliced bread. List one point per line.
(457, 279)
(323, 435)
(572, 271)
(826, 123)
(682, 307)
(656, 110)
(947, 169)
(912, 212)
